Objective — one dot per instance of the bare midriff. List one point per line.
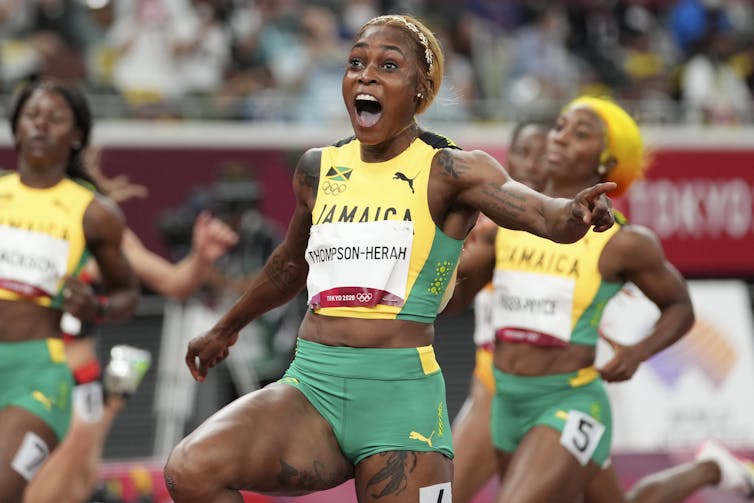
(530, 360)
(25, 321)
(365, 333)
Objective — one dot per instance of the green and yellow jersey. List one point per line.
(41, 238)
(374, 250)
(547, 293)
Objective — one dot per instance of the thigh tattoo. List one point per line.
(393, 477)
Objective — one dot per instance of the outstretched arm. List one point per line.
(281, 279)
(211, 239)
(482, 183)
(636, 255)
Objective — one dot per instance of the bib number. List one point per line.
(30, 456)
(88, 402)
(438, 493)
(581, 435)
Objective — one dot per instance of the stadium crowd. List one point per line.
(670, 61)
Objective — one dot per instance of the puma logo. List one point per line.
(60, 205)
(410, 181)
(415, 435)
(41, 398)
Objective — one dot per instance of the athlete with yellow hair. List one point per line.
(623, 159)
(475, 458)
(550, 407)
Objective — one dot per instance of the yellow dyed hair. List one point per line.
(624, 142)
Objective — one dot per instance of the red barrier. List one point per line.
(700, 204)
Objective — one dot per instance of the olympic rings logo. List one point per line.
(363, 297)
(332, 188)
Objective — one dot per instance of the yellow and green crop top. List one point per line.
(41, 238)
(374, 250)
(550, 294)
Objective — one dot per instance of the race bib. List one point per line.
(31, 264)
(438, 493)
(88, 401)
(484, 328)
(30, 456)
(537, 303)
(359, 264)
(581, 435)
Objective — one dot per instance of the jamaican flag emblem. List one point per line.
(339, 173)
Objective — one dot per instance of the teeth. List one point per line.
(366, 97)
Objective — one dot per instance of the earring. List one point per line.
(419, 95)
(601, 170)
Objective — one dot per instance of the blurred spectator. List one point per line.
(267, 59)
(692, 20)
(712, 91)
(455, 100)
(272, 59)
(248, 70)
(18, 58)
(543, 73)
(320, 98)
(484, 28)
(594, 37)
(741, 14)
(507, 16)
(62, 31)
(43, 37)
(355, 14)
(201, 51)
(648, 60)
(145, 35)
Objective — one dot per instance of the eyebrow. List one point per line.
(385, 47)
(580, 122)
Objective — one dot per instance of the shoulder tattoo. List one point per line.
(449, 165)
(307, 171)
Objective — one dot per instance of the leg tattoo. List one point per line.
(398, 464)
(290, 476)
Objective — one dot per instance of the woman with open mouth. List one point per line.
(375, 237)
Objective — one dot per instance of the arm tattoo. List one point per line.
(449, 165)
(394, 475)
(282, 274)
(307, 171)
(308, 176)
(169, 483)
(504, 202)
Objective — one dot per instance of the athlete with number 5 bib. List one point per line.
(550, 416)
(375, 237)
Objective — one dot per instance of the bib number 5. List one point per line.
(581, 435)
